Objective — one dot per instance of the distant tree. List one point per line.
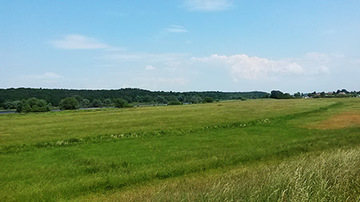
(276, 94)
(69, 103)
(344, 91)
(146, 98)
(120, 103)
(78, 98)
(322, 94)
(32, 105)
(208, 100)
(195, 99)
(297, 95)
(11, 105)
(174, 102)
(107, 102)
(96, 103)
(85, 103)
(160, 99)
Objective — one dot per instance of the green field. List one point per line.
(256, 150)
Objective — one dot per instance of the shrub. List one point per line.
(69, 103)
(120, 103)
(174, 103)
(208, 100)
(32, 105)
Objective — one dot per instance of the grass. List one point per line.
(325, 176)
(176, 152)
(34, 128)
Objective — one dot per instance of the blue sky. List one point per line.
(181, 45)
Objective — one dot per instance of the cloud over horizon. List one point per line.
(242, 66)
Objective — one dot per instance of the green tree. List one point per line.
(32, 105)
(276, 94)
(297, 95)
(85, 103)
(208, 100)
(120, 103)
(11, 105)
(107, 102)
(69, 103)
(96, 103)
(174, 102)
(322, 94)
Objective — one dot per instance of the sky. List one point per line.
(181, 45)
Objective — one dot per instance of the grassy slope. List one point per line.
(186, 145)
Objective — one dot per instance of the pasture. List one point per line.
(236, 150)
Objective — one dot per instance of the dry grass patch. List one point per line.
(339, 121)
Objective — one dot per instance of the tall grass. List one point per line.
(328, 176)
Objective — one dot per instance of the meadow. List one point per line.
(267, 150)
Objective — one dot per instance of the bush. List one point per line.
(174, 103)
(85, 103)
(120, 103)
(32, 105)
(96, 103)
(208, 100)
(69, 103)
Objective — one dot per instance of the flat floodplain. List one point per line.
(177, 151)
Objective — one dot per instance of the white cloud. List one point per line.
(208, 5)
(149, 67)
(176, 29)
(75, 41)
(45, 76)
(253, 68)
(323, 70)
(146, 57)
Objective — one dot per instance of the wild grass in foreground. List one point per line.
(327, 176)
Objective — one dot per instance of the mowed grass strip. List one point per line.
(55, 126)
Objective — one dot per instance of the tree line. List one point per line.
(32, 100)
(276, 94)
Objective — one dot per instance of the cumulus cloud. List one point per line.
(176, 29)
(75, 41)
(253, 68)
(208, 5)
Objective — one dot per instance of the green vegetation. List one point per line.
(69, 103)
(104, 98)
(280, 95)
(32, 105)
(120, 103)
(235, 150)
